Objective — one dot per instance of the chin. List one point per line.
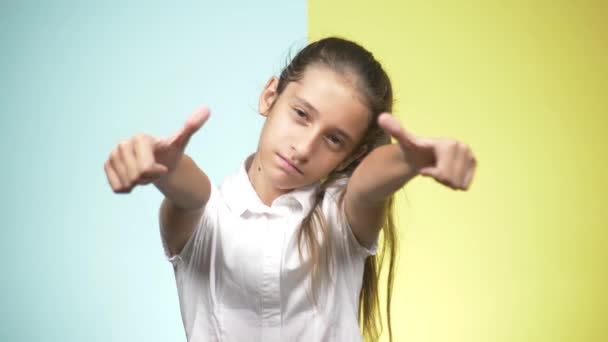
(283, 181)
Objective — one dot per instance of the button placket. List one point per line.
(271, 280)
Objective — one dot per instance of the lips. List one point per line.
(288, 165)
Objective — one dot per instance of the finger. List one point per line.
(451, 165)
(470, 172)
(127, 156)
(112, 176)
(469, 166)
(146, 163)
(440, 170)
(390, 124)
(192, 125)
(461, 161)
(118, 166)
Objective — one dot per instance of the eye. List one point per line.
(300, 113)
(335, 140)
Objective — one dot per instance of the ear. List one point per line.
(268, 96)
(360, 152)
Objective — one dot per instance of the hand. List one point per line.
(143, 159)
(448, 161)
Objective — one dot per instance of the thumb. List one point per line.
(153, 173)
(428, 171)
(390, 124)
(192, 125)
(158, 169)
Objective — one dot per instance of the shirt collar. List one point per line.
(241, 196)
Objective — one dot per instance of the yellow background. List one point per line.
(523, 255)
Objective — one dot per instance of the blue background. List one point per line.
(80, 262)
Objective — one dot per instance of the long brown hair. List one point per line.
(351, 59)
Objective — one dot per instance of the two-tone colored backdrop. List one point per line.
(522, 256)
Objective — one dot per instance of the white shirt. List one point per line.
(239, 276)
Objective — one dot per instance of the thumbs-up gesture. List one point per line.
(448, 161)
(143, 159)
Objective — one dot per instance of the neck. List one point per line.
(266, 191)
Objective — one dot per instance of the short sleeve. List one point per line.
(337, 216)
(196, 240)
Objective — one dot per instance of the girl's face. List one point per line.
(312, 128)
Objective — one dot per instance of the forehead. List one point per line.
(334, 96)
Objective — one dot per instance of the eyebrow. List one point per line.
(313, 109)
(306, 104)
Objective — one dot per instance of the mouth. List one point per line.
(286, 164)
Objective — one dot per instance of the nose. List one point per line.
(303, 148)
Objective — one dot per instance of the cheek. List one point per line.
(326, 161)
(286, 130)
(278, 118)
(278, 130)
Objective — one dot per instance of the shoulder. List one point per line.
(333, 208)
(333, 197)
(336, 188)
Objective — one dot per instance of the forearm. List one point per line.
(383, 171)
(187, 187)
(186, 191)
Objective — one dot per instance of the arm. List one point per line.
(387, 168)
(380, 174)
(145, 159)
(186, 191)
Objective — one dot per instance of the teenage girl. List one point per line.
(285, 249)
